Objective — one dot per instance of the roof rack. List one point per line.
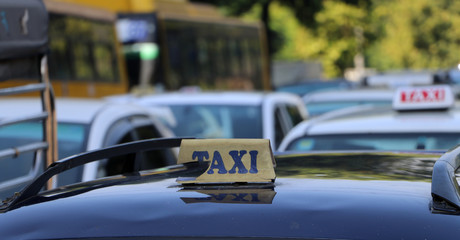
(23, 50)
(444, 187)
(87, 157)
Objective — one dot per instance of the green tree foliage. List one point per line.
(337, 40)
(333, 42)
(415, 34)
(409, 34)
(304, 10)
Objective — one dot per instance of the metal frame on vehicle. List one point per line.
(23, 53)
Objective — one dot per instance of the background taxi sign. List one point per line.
(423, 98)
(230, 160)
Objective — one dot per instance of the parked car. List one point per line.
(420, 118)
(83, 125)
(226, 114)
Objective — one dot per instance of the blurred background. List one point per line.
(107, 47)
(297, 72)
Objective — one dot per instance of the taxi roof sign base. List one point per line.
(197, 181)
(236, 185)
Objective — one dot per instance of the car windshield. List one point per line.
(71, 140)
(217, 121)
(386, 141)
(318, 108)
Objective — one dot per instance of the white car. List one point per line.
(418, 119)
(226, 114)
(318, 103)
(83, 125)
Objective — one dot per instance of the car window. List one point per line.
(307, 88)
(157, 158)
(280, 132)
(217, 121)
(71, 140)
(128, 130)
(286, 117)
(119, 164)
(17, 135)
(318, 108)
(11, 168)
(294, 114)
(390, 141)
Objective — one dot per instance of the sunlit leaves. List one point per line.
(420, 34)
(396, 34)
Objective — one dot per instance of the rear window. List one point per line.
(217, 121)
(387, 141)
(318, 108)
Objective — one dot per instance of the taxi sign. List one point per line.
(423, 98)
(230, 160)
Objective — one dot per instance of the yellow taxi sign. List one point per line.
(423, 98)
(230, 160)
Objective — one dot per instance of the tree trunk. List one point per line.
(265, 17)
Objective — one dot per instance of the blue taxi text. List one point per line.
(218, 164)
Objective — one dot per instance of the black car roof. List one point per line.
(316, 195)
(308, 208)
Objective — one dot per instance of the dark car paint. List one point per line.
(338, 196)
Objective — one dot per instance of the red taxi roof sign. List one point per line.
(423, 98)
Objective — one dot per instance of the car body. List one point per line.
(452, 77)
(226, 114)
(318, 103)
(336, 195)
(83, 125)
(379, 128)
